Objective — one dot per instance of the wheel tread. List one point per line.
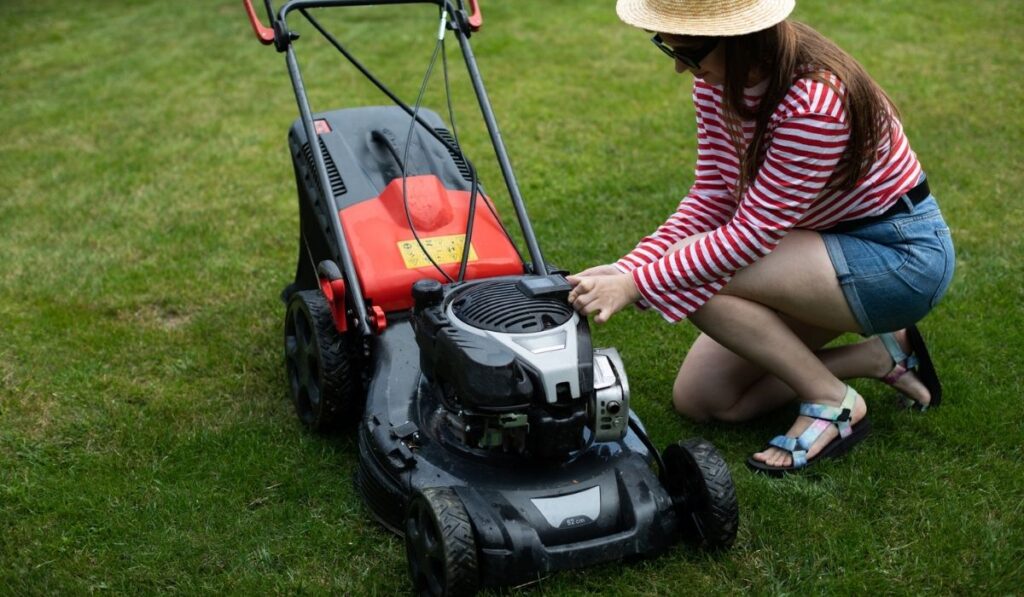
(456, 529)
(340, 395)
(717, 507)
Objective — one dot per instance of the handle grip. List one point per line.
(264, 34)
(476, 18)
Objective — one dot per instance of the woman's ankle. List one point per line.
(831, 393)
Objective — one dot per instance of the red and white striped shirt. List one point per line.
(806, 137)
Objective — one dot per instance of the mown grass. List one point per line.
(147, 224)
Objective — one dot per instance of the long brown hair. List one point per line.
(783, 53)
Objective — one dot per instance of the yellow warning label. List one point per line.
(443, 249)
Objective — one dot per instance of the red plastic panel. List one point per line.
(387, 257)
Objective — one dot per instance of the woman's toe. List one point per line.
(773, 457)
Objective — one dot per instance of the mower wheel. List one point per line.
(322, 371)
(439, 544)
(697, 477)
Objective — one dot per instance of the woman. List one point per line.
(809, 217)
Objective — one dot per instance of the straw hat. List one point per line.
(704, 17)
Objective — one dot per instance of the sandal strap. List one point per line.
(897, 372)
(822, 411)
(892, 346)
(824, 417)
(812, 433)
(789, 444)
(907, 402)
(839, 416)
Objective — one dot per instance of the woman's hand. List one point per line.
(601, 293)
(598, 270)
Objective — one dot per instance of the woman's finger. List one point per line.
(582, 300)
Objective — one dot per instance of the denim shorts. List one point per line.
(895, 270)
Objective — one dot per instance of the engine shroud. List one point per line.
(515, 372)
(499, 306)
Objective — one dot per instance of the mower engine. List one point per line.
(515, 370)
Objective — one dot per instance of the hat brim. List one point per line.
(730, 17)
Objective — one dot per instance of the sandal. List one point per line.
(917, 361)
(849, 436)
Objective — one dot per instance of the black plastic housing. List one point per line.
(403, 448)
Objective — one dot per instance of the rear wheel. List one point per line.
(697, 477)
(321, 364)
(439, 544)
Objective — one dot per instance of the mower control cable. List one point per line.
(379, 137)
(408, 141)
(383, 139)
(454, 148)
(474, 191)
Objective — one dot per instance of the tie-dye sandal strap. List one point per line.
(812, 433)
(821, 411)
(835, 415)
(903, 362)
(798, 447)
(907, 402)
(826, 416)
(893, 376)
(789, 444)
(918, 361)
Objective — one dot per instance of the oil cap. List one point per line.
(427, 293)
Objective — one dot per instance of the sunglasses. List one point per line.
(691, 58)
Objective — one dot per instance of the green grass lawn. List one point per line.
(148, 223)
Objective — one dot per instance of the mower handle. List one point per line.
(476, 18)
(264, 34)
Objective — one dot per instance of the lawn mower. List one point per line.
(492, 435)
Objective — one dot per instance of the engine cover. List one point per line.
(516, 369)
(546, 334)
(500, 306)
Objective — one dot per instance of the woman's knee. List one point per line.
(710, 381)
(687, 401)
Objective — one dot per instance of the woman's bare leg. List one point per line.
(716, 383)
(795, 280)
(760, 332)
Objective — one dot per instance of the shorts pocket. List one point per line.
(949, 265)
(876, 251)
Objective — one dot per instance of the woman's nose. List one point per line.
(681, 67)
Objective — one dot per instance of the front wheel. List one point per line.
(699, 481)
(439, 545)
